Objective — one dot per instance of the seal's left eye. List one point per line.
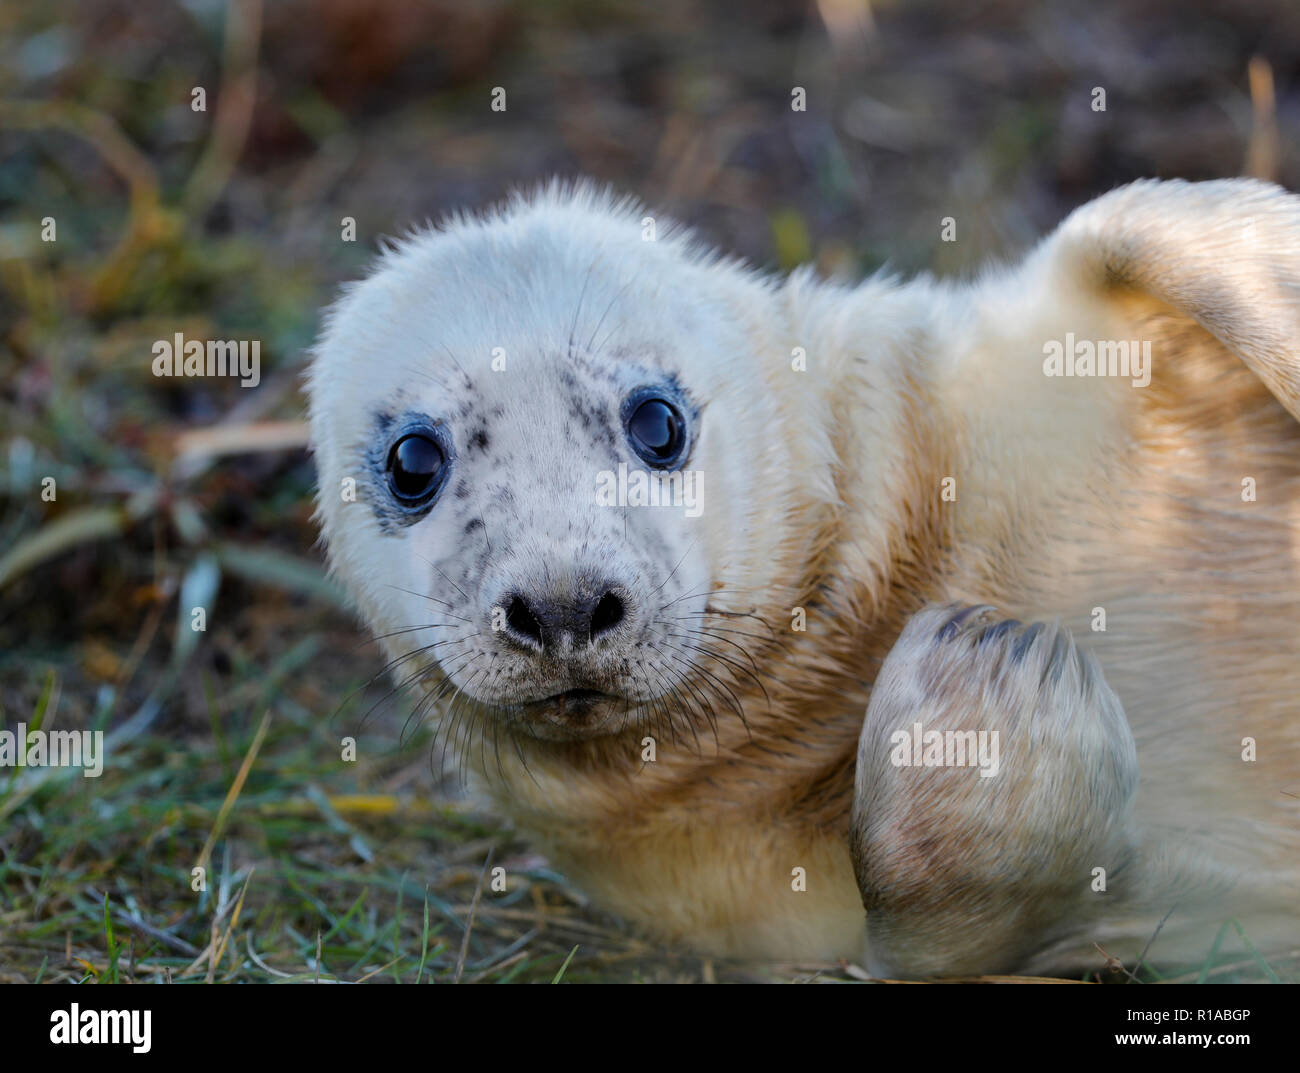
(416, 466)
(657, 431)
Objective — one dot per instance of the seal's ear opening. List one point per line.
(1224, 255)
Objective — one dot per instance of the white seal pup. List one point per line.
(697, 569)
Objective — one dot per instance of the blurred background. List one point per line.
(228, 222)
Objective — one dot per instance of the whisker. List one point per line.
(447, 721)
(674, 570)
(445, 577)
(415, 653)
(435, 694)
(711, 717)
(376, 638)
(735, 702)
(707, 633)
(622, 291)
(431, 599)
(712, 626)
(577, 313)
(740, 667)
(735, 614)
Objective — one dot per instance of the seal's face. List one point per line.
(517, 464)
(546, 579)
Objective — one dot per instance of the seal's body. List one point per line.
(670, 699)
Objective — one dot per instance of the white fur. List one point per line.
(823, 493)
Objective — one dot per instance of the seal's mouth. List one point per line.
(578, 696)
(578, 712)
(573, 700)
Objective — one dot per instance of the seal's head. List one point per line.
(538, 435)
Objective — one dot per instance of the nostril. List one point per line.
(607, 614)
(521, 620)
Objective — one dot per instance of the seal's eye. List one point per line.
(416, 466)
(657, 431)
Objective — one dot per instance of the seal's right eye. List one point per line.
(416, 468)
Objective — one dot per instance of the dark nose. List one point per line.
(544, 624)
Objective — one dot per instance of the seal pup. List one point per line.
(1052, 510)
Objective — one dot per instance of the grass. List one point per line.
(315, 870)
(325, 871)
